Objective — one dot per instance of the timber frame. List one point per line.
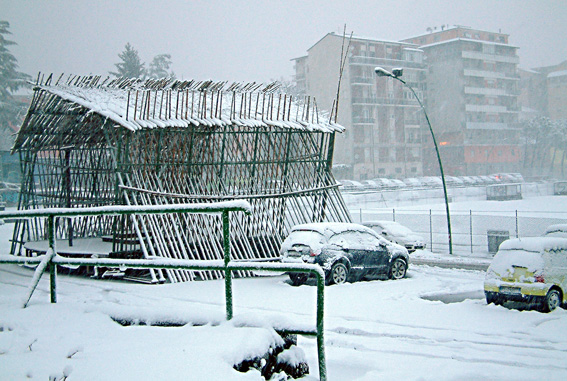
(86, 142)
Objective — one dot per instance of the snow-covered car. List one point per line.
(350, 185)
(397, 233)
(413, 182)
(530, 270)
(558, 230)
(345, 251)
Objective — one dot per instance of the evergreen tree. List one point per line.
(159, 67)
(131, 65)
(11, 80)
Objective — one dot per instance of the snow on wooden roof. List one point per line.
(146, 104)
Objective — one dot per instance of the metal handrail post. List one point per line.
(320, 326)
(227, 271)
(52, 266)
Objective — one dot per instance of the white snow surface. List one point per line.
(432, 325)
(535, 244)
(112, 103)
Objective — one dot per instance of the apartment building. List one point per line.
(383, 120)
(549, 97)
(472, 100)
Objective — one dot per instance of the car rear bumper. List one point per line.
(520, 292)
(412, 248)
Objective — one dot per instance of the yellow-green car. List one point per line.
(529, 270)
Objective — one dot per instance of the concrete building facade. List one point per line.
(384, 121)
(543, 91)
(472, 100)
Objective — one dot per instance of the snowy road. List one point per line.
(376, 329)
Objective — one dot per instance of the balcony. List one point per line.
(490, 57)
(487, 126)
(375, 61)
(362, 81)
(385, 101)
(363, 120)
(490, 91)
(485, 108)
(490, 74)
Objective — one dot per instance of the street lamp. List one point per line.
(396, 74)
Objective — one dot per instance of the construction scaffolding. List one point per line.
(86, 141)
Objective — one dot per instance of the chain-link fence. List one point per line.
(473, 232)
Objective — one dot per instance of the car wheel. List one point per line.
(398, 269)
(552, 300)
(492, 297)
(338, 274)
(298, 279)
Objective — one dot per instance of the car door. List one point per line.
(368, 254)
(377, 256)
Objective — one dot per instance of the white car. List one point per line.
(397, 233)
(530, 270)
(559, 230)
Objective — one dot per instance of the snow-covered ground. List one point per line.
(433, 325)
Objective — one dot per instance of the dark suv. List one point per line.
(345, 251)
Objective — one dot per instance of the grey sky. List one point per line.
(254, 40)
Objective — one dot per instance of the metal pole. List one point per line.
(227, 271)
(320, 330)
(440, 164)
(52, 266)
(471, 231)
(430, 231)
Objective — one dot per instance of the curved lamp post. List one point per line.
(396, 74)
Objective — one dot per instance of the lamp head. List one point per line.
(381, 72)
(398, 72)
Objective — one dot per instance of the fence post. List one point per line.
(52, 266)
(517, 232)
(471, 231)
(227, 271)
(394, 215)
(430, 231)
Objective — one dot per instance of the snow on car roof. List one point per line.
(536, 244)
(393, 226)
(557, 228)
(330, 228)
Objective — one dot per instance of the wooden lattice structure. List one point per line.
(91, 142)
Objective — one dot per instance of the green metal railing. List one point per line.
(52, 260)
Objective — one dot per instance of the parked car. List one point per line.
(371, 184)
(413, 182)
(345, 251)
(558, 230)
(350, 185)
(488, 179)
(431, 181)
(387, 183)
(397, 233)
(454, 181)
(531, 270)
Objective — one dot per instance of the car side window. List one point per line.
(355, 240)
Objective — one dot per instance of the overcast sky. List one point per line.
(254, 40)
